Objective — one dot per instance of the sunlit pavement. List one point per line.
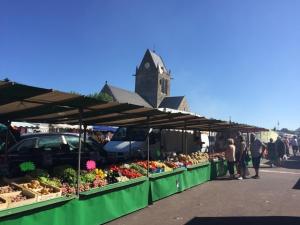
(273, 199)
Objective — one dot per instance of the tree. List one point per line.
(101, 96)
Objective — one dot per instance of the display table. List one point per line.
(218, 169)
(94, 207)
(112, 201)
(196, 174)
(52, 212)
(166, 184)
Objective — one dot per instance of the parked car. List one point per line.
(47, 150)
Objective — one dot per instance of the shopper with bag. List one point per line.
(257, 149)
(280, 148)
(230, 156)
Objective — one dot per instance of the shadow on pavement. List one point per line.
(268, 220)
(297, 185)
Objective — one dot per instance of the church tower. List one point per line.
(152, 80)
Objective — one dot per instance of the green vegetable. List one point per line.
(70, 176)
(138, 168)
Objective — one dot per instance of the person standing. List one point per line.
(280, 149)
(230, 156)
(257, 148)
(273, 156)
(287, 146)
(241, 157)
(294, 144)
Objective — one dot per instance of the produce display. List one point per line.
(193, 158)
(43, 191)
(217, 156)
(40, 185)
(9, 189)
(154, 167)
(23, 198)
(18, 198)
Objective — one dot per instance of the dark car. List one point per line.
(47, 150)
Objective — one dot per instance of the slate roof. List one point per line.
(171, 102)
(123, 96)
(157, 60)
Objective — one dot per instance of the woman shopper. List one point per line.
(241, 157)
(230, 156)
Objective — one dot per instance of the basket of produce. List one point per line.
(43, 191)
(9, 190)
(24, 198)
(3, 203)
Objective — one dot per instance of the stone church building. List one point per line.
(152, 86)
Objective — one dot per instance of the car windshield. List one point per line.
(91, 144)
(130, 134)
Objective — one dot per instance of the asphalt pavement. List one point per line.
(272, 199)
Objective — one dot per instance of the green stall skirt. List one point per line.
(196, 174)
(165, 184)
(52, 212)
(113, 201)
(218, 169)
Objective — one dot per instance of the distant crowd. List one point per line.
(238, 154)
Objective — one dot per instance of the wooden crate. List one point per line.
(4, 195)
(57, 193)
(42, 197)
(32, 198)
(3, 203)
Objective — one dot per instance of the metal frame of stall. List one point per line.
(20, 102)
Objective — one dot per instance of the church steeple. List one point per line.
(152, 80)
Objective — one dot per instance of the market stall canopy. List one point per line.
(20, 102)
(24, 125)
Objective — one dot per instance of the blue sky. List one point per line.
(229, 58)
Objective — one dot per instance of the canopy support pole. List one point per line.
(185, 138)
(148, 145)
(182, 141)
(209, 137)
(79, 151)
(160, 142)
(84, 135)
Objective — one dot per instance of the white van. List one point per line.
(129, 142)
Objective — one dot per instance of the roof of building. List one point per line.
(157, 60)
(172, 102)
(125, 96)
